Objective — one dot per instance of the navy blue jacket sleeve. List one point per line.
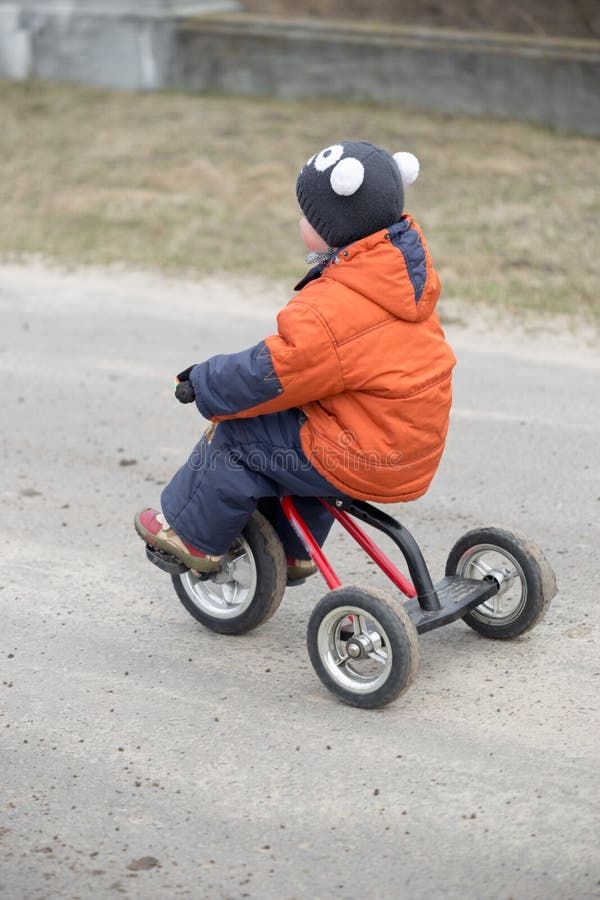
(229, 383)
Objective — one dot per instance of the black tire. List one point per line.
(257, 572)
(394, 655)
(524, 595)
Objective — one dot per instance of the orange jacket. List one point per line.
(361, 351)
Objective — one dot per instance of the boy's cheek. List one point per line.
(312, 240)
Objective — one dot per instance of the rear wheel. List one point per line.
(526, 582)
(363, 646)
(248, 587)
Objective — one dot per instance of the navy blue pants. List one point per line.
(213, 495)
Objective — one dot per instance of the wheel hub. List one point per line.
(355, 648)
(503, 578)
(360, 645)
(224, 574)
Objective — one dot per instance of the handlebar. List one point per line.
(185, 392)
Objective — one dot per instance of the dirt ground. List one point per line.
(570, 18)
(149, 758)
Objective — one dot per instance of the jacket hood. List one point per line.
(392, 268)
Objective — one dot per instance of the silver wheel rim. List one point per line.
(359, 675)
(231, 591)
(486, 561)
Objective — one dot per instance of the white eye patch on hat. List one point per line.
(348, 174)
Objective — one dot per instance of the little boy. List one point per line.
(350, 398)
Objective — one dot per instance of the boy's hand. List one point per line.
(183, 386)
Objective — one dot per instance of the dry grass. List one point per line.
(192, 184)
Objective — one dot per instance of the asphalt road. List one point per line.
(146, 757)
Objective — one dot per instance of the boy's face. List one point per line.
(312, 241)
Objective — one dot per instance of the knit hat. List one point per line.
(353, 189)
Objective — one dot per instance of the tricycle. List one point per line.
(363, 642)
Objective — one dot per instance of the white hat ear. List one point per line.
(347, 176)
(409, 167)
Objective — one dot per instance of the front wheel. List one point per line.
(363, 646)
(526, 582)
(248, 587)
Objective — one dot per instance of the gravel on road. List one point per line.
(147, 757)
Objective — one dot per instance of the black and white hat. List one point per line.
(353, 189)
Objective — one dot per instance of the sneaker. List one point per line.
(153, 528)
(299, 569)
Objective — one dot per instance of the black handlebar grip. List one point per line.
(185, 392)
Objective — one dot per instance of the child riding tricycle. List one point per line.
(348, 403)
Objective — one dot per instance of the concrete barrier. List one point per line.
(551, 81)
(555, 82)
(110, 43)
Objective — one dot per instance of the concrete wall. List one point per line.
(111, 43)
(555, 82)
(112, 51)
(550, 81)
